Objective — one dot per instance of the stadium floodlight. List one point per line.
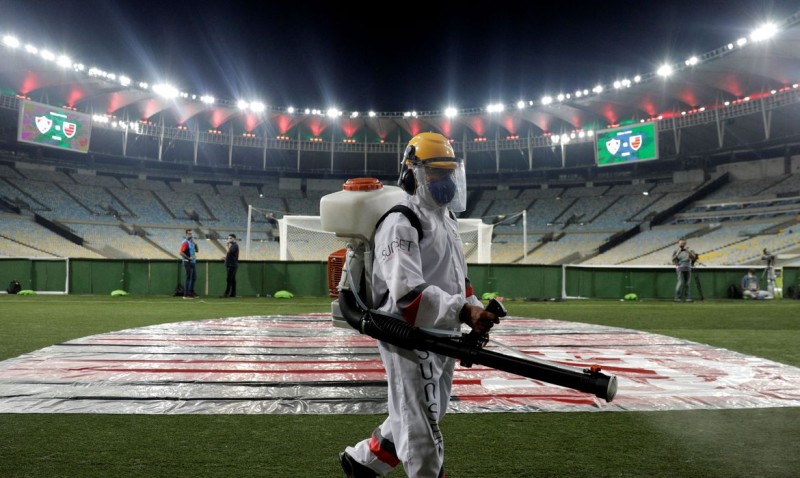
(664, 70)
(565, 138)
(307, 111)
(555, 139)
(520, 105)
(290, 110)
(692, 61)
(617, 85)
(31, 49)
(496, 108)
(578, 94)
(63, 61)
(48, 55)
(626, 83)
(637, 78)
(144, 85)
(333, 113)
(450, 112)
(546, 100)
(764, 32)
(124, 80)
(242, 104)
(208, 99)
(590, 133)
(165, 90)
(257, 107)
(10, 41)
(741, 42)
(79, 67)
(560, 97)
(372, 114)
(354, 114)
(597, 89)
(111, 76)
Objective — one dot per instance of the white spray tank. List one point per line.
(352, 214)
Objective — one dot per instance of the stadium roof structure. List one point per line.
(740, 79)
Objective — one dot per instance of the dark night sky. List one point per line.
(389, 56)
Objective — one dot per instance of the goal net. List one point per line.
(302, 239)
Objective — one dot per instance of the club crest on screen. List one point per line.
(636, 142)
(69, 129)
(612, 145)
(43, 124)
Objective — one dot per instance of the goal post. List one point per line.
(303, 239)
(43, 275)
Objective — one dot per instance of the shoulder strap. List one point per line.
(408, 213)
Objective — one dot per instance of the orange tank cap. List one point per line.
(362, 184)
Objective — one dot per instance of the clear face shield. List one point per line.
(443, 183)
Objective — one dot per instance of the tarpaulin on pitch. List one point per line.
(303, 364)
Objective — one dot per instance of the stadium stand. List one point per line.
(123, 217)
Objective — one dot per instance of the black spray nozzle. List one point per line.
(497, 308)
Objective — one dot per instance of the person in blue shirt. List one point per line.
(188, 252)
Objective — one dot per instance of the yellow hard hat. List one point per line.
(432, 150)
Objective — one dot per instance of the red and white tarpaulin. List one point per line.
(303, 364)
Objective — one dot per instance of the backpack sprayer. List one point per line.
(353, 213)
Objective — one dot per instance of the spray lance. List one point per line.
(468, 349)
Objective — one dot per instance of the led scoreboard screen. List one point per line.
(630, 144)
(54, 127)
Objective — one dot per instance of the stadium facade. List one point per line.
(726, 169)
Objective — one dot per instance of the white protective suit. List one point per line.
(427, 286)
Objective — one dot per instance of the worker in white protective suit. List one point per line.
(423, 282)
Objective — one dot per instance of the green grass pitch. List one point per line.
(718, 443)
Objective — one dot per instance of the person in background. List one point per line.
(231, 266)
(684, 259)
(188, 252)
(750, 287)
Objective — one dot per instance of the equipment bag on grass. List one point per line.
(14, 287)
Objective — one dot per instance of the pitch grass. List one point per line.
(703, 443)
